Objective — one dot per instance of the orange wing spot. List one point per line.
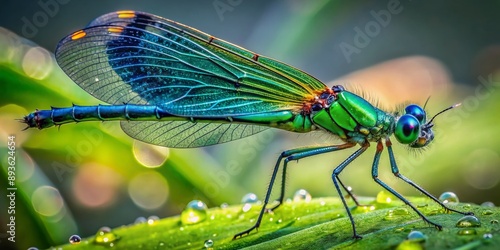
(77, 35)
(126, 14)
(115, 29)
(255, 57)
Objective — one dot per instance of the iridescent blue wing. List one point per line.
(134, 57)
(139, 58)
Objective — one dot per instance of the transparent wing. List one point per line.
(134, 57)
(139, 58)
(186, 134)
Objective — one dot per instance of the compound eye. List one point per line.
(417, 112)
(407, 129)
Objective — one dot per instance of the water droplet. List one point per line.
(302, 195)
(104, 230)
(468, 221)
(487, 236)
(105, 237)
(384, 197)
(363, 209)
(417, 236)
(224, 205)
(391, 214)
(75, 239)
(422, 205)
(487, 212)
(322, 202)
(400, 211)
(493, 221)
(249, 198)
(195, 211)
(32, 248)
(466, 206)
(246, 207)
(140, 220)
(467, 231)
(449, 198)
(153, 219)
(435, 211)
(487, 204)
(209, 243)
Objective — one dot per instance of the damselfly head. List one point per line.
(412, 128)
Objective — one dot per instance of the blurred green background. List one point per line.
(80, 177)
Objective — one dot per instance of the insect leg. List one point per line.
(336, 180)
(289, 155)
(395, 171)
(378, 152)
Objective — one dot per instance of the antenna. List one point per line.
(442, 111)
(426, 101)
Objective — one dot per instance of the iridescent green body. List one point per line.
(175, 86)
(348, 116)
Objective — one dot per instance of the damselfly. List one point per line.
(174, 86)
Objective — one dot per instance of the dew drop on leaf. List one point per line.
(468, 221)
(249, 198)
(302, 195)
(105, 237)
(75, 239)
(153, 219)
(449, 198)
(416, 236)
(487, 212)
(195, 212)
(140, 220)
(467, 231)
(385, 197)
(487, 204)
(209, 243)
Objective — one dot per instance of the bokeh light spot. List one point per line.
(481, 169)
(96, 185)
(149, 155)
(148, 190)
(37, 63)
(47, 201)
